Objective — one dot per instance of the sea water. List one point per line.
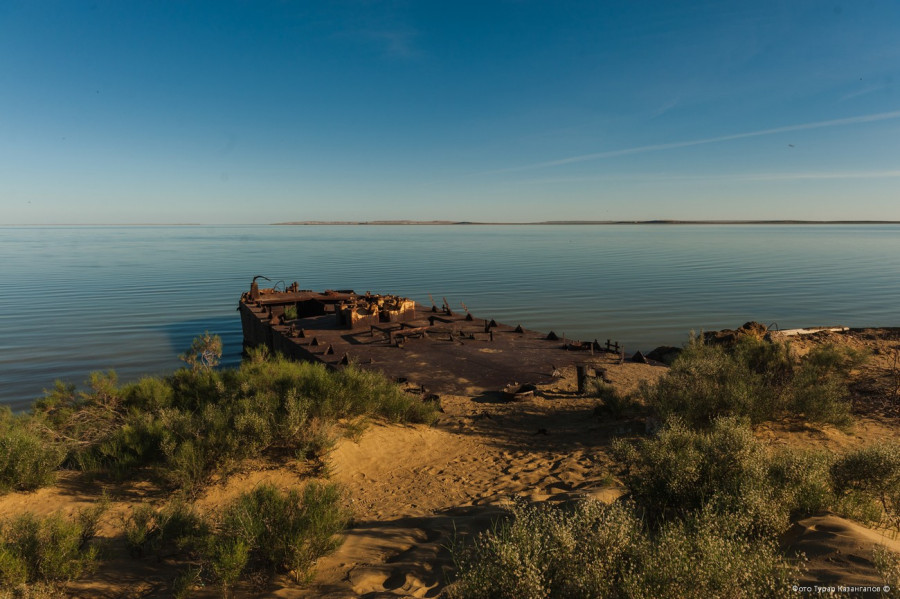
(80, 299)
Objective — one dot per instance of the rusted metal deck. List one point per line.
(437, 348)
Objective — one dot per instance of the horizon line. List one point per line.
(327, 223)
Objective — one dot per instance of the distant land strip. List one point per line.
(597, 222)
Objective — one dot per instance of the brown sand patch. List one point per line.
(838, 550)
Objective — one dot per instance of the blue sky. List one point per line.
(256, 112)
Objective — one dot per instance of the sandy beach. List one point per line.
(415, 490)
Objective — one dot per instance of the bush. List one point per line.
(543, 552)
(830, 359)
(174, 526)
(28, 460)
(598, 550)
(262, 532)
(204, 352)
(290, 312)
(51, 549)
(279, 532)
(707, 555)
(612, 402)
(707, 382)
(888, 565)
(872, 471)
(820, 398)
(228, 559)
(819, 385)
(754, 379)
(680, 471)
(201, 420)
(801, 481)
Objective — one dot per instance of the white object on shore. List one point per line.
(810, 331)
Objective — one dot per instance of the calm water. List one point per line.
(77, 299)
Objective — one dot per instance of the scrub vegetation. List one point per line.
(706, 501)
(757, 380)
(179, 431)
(199, 421)
(36, 554)
(260, 534)
(28, 460)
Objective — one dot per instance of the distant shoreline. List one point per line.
(465, 222)
(594, 222)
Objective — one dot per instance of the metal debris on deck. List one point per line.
(433, 348)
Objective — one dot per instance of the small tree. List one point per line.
(204, 352)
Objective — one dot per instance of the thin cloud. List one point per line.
(796, 176)
(868, 118)
(394, 43)
(862, 92)
(670, 105)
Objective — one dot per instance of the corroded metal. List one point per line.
(432, 348)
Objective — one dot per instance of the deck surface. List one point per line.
(445, 353)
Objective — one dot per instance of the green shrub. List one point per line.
(186, 581)
(872, 471)
(820, 398)
(201, 420)
(708, 555)
(28, 460)
(801, 480)
(187, 463)
(597, 550)
(543, 551)
(204, 352)
(707, 382)
(173, 526)
(861, 507)
(281, 532)
(318, 439)
(262, 532)
(290, 312)
(149, 394)
(57, 404)
(228, 559)
(139, 527)
(681, 470)
(830, 359)
(41, 550)
(888, 565)
(612, 403)
(818, 389)
(754, 379)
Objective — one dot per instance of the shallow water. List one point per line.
(78, 299)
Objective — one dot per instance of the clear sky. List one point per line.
(252, 112)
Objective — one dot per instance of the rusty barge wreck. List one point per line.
(438, 349)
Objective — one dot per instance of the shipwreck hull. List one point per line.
(439, 349)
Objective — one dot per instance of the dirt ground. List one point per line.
(415, 490)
